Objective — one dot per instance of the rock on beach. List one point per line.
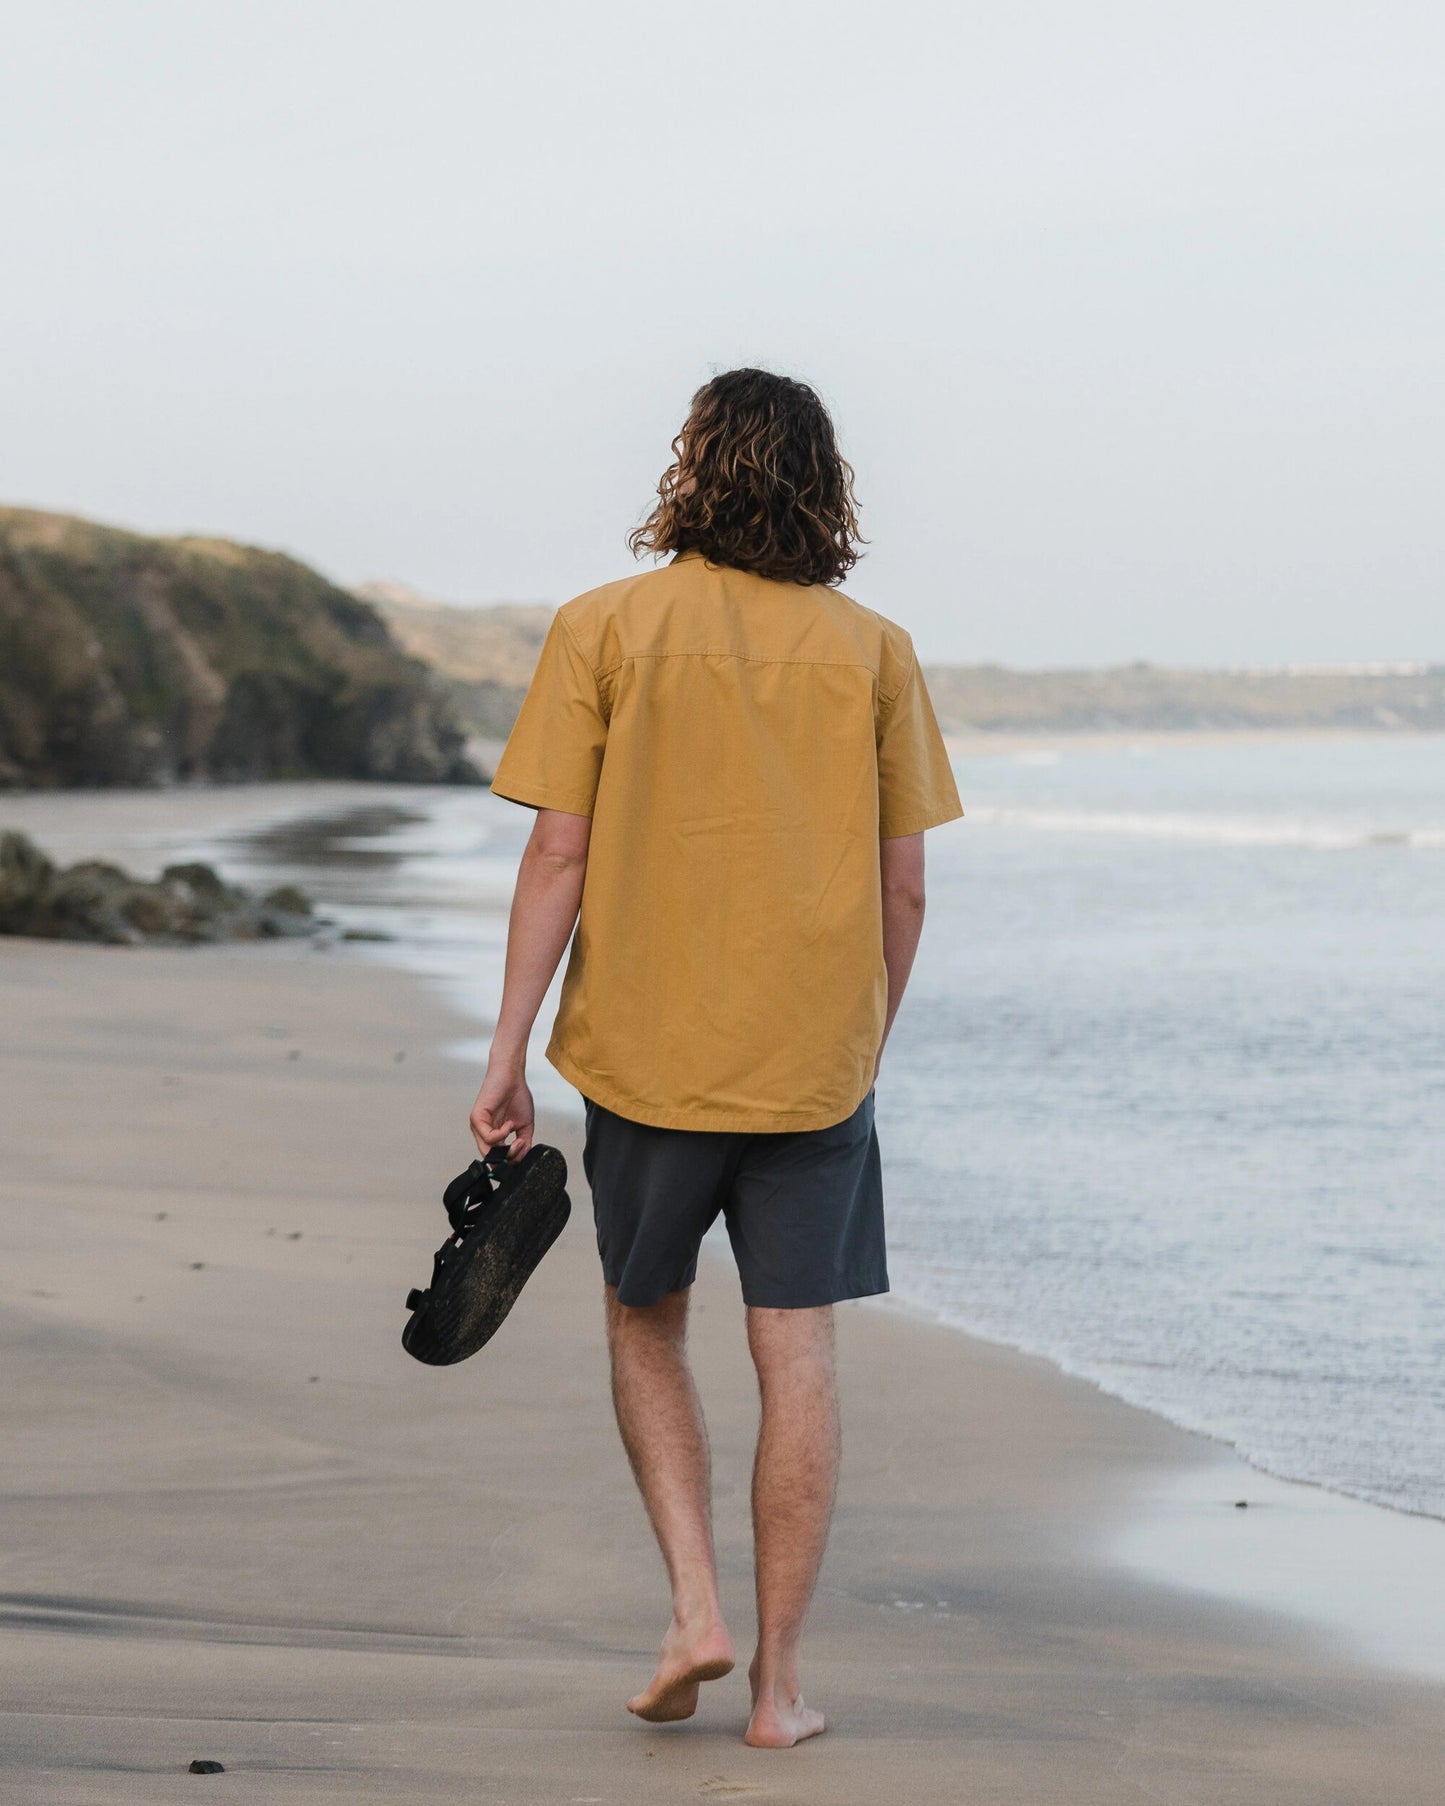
(94, 900)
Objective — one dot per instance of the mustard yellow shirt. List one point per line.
(741, 746)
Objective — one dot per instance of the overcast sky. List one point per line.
(1130, 314)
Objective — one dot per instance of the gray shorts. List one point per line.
(804, 1208)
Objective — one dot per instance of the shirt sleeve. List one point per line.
(915, 781)
(553, 756)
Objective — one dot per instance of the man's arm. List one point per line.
(544, 912)
(901, 864)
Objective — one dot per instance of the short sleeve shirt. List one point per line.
(741, 746)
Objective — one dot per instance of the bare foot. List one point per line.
(778, 1724)
(689, 1656)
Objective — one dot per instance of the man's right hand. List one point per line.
(504, 1104)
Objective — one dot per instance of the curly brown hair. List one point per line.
(757, 482)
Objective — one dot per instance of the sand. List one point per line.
(241, 1524)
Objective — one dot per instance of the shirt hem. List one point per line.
(537, 796)
(916, 824)
(717, 1121)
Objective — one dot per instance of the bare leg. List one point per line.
(794, 1480)
(660, 1417)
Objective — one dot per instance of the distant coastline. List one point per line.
(1164, 699)
(485, 654)
(1047, 742)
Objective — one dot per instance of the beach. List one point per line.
(242, 1525)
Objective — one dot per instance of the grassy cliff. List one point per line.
(131, 660)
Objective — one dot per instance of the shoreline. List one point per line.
(1221, 1446)
(1387, 1613)
(144, 828)
(257, 1533)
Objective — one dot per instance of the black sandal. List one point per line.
(505, 1215)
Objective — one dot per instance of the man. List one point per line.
(733, 765)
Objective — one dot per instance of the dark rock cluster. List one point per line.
(96, 901)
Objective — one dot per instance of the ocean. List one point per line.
(1166, 1099)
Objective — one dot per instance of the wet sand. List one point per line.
(241, 1524)
(145, 829)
